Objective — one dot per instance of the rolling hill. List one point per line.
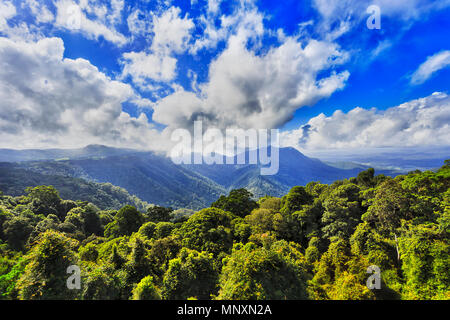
(157, 180)
(14, 180)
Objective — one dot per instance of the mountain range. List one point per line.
(157, 180)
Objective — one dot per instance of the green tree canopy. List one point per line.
(45, 274)
(239, 202)
(256, 273)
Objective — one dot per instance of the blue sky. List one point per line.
(137, 70)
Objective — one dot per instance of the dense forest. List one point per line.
(14, 181)
(315, 242)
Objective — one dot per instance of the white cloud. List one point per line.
(172, 34)
(138, 23)
(47, 100)
(116, 12)
(73, 17)
(401, 9)
(257, 91)
(341, 16)
(7, 11)
(142, 66)
(433, 64)
(21, 30)
(420, 122)
(40, 11)
(245, 17)
(214, 6)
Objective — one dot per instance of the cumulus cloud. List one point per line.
(7, 11)
(171, 35)
(338, 17)
(171, 32)
(138, 23)
(141, 66)
(402, 9)
(40, 11)
(250, 88)
(433, 64)
(247, 90)
(405, 9)
(19, 30)
(91, 19)
(420, 122)
(47, 100)
(216, 29)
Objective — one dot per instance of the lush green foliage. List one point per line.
(316, 242)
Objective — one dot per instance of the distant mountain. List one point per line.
(14, 180)
(294, 169)
(399, 159)
(153, 178)
(90, 151)
(156, 179)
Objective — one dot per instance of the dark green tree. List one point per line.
(366, 178)
(146, 290)
(295, 199)
(208, 230)
(16, 231)
(127, 220)
(45, 275)
(159, 214)
(192, 274)
(45, 200)
(255, 273)
(239, 202)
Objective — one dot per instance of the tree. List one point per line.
(146, 290)
(388, 208)
(340, 275)
(163, 229)
(87, 219)
(16, 231)
(307, 221)
(312, 253)
(349, 287)
(8, 281)
(366, 178)
(100, 284)
(342, 211)
(159, 214)
(239, 202)
(271, 203)
(208, 230)
(45, 274)
(162, 251)
(4, 216)
(116, 260)
(377, 249)
(192, 274)
(139, 263)
(88, 252)
(126, 221)
(295, 199)
(45, 200)
(261, 220)
(147, 230)
(255, 273)
(424, 253)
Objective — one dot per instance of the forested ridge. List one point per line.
(315, 242)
